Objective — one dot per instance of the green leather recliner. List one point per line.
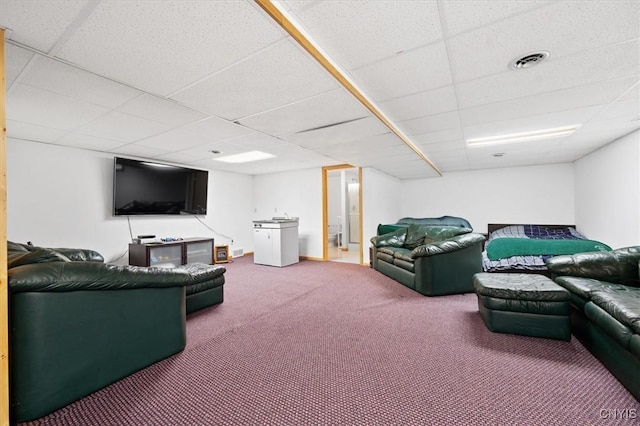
(605, 299)
(433, 260)
(78, 325)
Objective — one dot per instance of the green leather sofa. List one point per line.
(78, 324)
(605, 300)
(433, 260)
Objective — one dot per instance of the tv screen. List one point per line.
(146, 188)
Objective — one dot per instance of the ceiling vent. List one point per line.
(529, 60)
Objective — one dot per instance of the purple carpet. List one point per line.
(339, 344)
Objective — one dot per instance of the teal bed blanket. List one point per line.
(501, 248)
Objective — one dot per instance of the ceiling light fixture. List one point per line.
(533, 135)
(280, 15)
(245, 157)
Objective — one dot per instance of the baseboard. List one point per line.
(311, 258)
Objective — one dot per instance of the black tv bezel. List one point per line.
(138, 160)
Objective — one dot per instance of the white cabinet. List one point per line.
(275, 243)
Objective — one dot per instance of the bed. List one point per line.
(524, 248)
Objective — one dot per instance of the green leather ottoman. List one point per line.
(525, 304)
(205, 287)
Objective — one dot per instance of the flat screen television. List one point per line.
(147, 188)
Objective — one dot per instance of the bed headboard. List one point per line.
(495, 226)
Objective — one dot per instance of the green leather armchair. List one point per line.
(78, 325)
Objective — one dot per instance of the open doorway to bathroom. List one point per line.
(342, 215)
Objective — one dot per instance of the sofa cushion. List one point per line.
(17, 258)
(434, 234)
(415, 236)
(384, 255)
(621, 304)
(408, 266)
(584, 287)
(391, 239)
(403, 254)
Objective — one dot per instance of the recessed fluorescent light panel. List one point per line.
(523, 136)
(245, 157)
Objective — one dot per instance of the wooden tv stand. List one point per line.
(172, 253)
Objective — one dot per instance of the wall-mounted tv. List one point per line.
(147, 188)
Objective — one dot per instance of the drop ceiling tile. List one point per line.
(614, 62)
(255, 141)
(453, 165)
(489, 50)
(204, 151)
(218, 128)
(406, 73)
(161, 110)
(162, 47)
(175, 140)
(450, 137)
(122, 127)
(603, 131)
(135, 150)
(277, 76)
(16, 60)
(319, 139)
(622, 109)
(355, 33)
(294, 153)
(28, 104)
(633, 92)
(421, 104)
(326, 109)
(431, 123)
(88, 142)
(31, 132)
(461, 16)
(39, 24)
(560, 100)
(63, 79)
(178, 157)
(537, 122)
(431, 148)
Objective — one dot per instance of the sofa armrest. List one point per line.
(449, 245)
(87, 276)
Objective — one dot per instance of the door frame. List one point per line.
(325, 209)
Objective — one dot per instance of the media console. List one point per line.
(173, 253)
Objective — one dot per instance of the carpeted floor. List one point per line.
(321, 343)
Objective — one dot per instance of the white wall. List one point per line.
(608, 192)
(59, 196)
(380, 204)
(298, 194)
(536, 194)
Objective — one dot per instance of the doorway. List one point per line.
(342, 215)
